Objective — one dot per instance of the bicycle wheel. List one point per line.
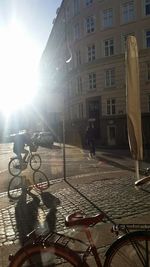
(132, 249)
(15, 187)
(35, 162)
(46, 256)
(40, 180)
(14, 166)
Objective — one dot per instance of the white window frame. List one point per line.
(91, 52)
(111, 106)
(110, 77)
(108, 47)
(88, 3)
(128, 11)
(90, 24)
(92, 81)
(107, 16)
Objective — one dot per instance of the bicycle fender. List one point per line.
(123, 238)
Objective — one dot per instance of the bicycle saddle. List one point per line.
(78, 218)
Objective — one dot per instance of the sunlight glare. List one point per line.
(18, 68)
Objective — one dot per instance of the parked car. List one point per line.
(45, 139)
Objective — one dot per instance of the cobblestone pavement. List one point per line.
(114, 194)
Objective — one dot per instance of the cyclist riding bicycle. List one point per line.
(20, 141)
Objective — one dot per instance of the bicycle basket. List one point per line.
(33, 148)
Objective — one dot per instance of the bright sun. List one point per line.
(18, 65)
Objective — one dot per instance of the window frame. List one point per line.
(91, 81)
(110, 106)
(124, 37)
(110, 77)
(108, 47)
(89, 24)
(91, 52)
(109, 22)
(126, 9)
(145, 7)
(147, 38)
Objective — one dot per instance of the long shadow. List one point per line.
(26, 215)
(116, 164)
(27, 219)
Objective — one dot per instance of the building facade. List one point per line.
(85, 60)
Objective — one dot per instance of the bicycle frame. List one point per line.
(63, 240)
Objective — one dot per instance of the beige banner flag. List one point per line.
(133, 100)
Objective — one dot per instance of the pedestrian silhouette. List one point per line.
(90, 138)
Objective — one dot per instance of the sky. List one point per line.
(35, 16)
(25, 26)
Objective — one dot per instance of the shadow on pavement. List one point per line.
(116, 164)
(28, 217)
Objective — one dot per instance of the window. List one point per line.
(108, 18)
(90, 25)
(80, 110)
(91, 53)
(124, 39)
(92, 81)
(111, 106)
(79, 85)
(147, 38)
(147, 7)
(148, 71)
(76, 32)
(76, 7)
(78, 58)
(110, 77)
(88, 2)
(108, 47)
(128, 12)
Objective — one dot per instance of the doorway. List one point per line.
(111, 135)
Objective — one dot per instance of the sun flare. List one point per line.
(18, 68)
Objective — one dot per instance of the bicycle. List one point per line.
(18, 184)
(53, 249)
(16, 165)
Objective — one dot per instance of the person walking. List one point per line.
(90, 137)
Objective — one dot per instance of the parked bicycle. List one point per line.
(18, 184)
(53, 249)
(17, 165)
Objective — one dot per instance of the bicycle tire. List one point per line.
(12, 166)
(46, 256)
(35, 162)
(40, 180)
(15, 187)
(129, 250)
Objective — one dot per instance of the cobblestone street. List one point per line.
(114, 194)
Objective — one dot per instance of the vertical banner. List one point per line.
(133, 102)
